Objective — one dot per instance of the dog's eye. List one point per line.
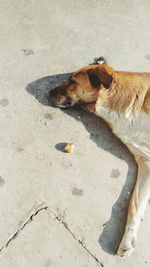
(72, 82)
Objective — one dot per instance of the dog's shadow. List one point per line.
(100, 134)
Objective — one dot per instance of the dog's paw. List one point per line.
(127, 246)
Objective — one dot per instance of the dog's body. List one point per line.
(122, 99)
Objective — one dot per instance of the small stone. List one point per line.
(69, 147)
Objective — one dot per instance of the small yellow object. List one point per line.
(69, 147)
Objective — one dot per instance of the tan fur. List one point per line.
(146, 103)
(84, 92)
(129, 88)
(122, 99)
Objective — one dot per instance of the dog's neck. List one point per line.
(126, 96)
(131, 127)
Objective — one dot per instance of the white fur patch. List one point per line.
(132, 129)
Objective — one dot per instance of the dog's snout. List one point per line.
(57, 97)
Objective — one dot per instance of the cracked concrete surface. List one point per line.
(59, 219)
(54, 249)
(21, 228)
(62, 209)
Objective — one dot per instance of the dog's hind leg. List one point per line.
(136, 208)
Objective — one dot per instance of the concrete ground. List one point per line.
(62, 209)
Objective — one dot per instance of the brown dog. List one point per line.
(122, 99)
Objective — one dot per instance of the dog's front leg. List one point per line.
(136, 208)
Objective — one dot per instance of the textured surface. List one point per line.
(61, 209)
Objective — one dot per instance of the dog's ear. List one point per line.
(94, 78)
(99, 76)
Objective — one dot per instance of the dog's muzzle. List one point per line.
(58, 99)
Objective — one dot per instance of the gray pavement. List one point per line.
(61, 209)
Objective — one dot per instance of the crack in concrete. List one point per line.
(22, 227)
(59, 219)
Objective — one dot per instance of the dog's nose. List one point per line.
(56, 98)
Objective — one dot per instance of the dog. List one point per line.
(122, 100)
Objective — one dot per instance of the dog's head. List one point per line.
(83, 86)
